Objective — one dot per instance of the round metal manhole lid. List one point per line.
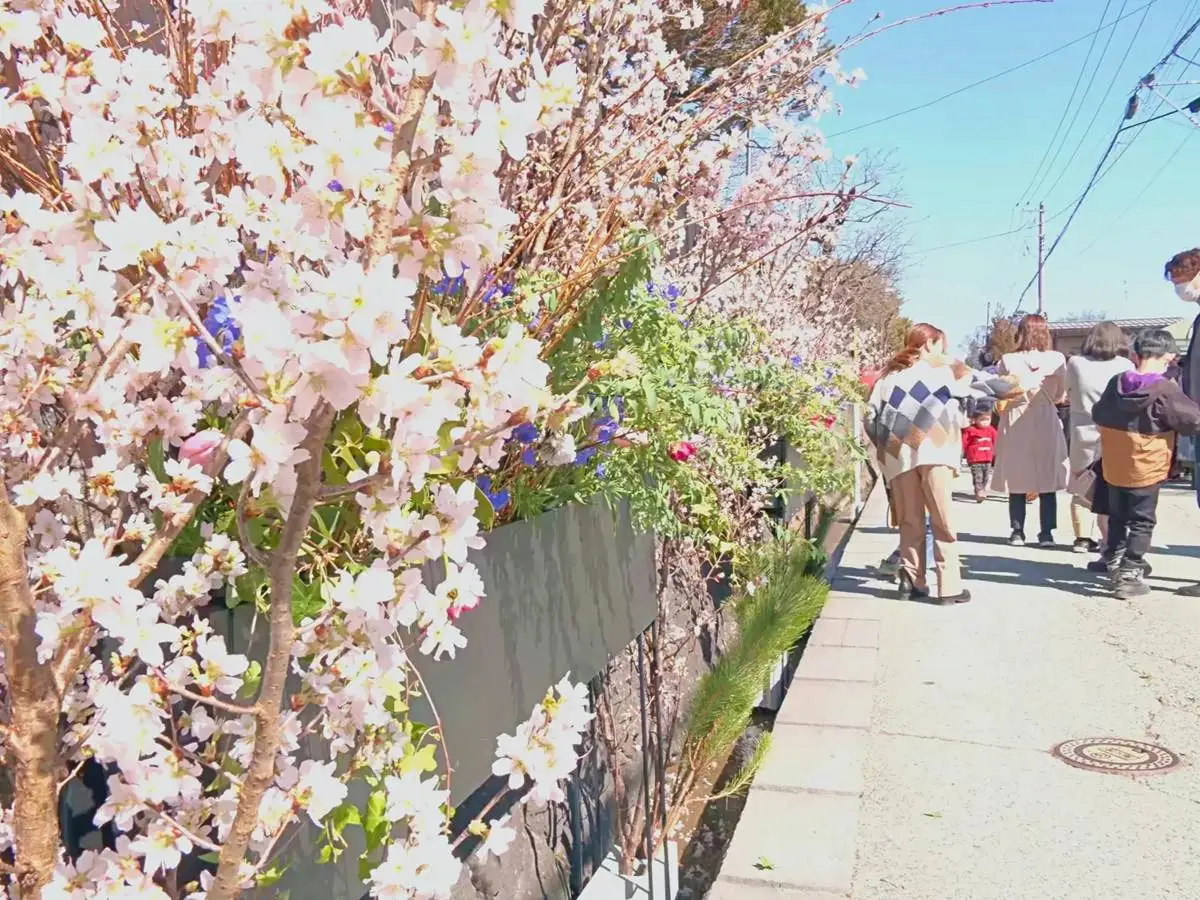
(1116, 755)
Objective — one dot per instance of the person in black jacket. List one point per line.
(1139, 415)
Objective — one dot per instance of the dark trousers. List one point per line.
(1047, 513)
(1132, 515)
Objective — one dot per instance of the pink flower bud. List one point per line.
(200, 447)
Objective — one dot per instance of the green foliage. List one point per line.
(776, 607)
(666, 374)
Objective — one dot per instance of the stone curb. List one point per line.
(797, 835)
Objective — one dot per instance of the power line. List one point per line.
(989, 237)
(1103, 101)
(1098, 172)
(1142, 193)
(982, 81)
(1034, 181)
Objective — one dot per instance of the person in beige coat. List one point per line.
(1031, 449)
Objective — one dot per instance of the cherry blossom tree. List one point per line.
(222, 224)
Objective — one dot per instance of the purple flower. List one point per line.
(499, 499)
(672, 292)
(525, 433)
(606, 427)
(626, 324)
(601, 471)
(529, 456)
(602, 343)
(828, 373)
(220, 324)
(796, 360)
(335, 186)
(584, 455)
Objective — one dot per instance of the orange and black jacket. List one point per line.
(1138, 416)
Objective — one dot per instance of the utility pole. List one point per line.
(1041, 254)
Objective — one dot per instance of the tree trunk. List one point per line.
(34, 702)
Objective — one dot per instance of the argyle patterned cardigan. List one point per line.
(915, 418)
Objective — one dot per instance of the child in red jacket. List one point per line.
(979, 448)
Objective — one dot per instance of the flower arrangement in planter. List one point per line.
(308, 296)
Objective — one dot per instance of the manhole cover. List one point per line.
(1116, 755)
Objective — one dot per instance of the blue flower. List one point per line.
(626, 324)
(601, 471)
(529, 456)
(606, 427)
(526, 433)
(672, 292)
(499, 499)
(650, 288)
(220, 324)
(796, 360)
(584, 455)
(672, 305)
(828, 373)
(335, 186)
(602, 343)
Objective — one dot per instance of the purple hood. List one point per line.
(1135, 382)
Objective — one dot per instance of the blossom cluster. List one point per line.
(220, 240)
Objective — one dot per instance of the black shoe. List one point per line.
(1045, 541)
(1131, 582)
(963, 596)
(1017, 539)
(909, 591)
(1085, 545)
(1101, 565)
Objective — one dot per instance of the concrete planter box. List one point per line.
(609, 884)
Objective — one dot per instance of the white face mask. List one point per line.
(1189, 291)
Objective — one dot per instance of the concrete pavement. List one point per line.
(911, 758)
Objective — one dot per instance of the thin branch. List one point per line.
(257, 556)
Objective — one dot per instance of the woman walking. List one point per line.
(1031, 449)
(1105, 354)
(915, 421)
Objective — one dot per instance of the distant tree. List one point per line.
(729, 31)
(998, 338)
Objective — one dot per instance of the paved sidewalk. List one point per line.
(911, 758)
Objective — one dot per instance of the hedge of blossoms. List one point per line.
(218, 227)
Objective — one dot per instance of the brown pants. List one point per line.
(928, 488)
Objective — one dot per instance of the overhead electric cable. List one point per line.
(1103, 102)
(1099, 171)
(1034, 180)
(982, 81)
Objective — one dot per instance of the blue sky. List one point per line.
(963, 164)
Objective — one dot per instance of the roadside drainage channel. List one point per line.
(796, 836)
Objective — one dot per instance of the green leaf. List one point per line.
(345, 815)
(306, 600)
(423, 760)
(246, 588)
(251, 680)
(157, 460)
(375, 824)
(484, 511)
(651, 395)
(269, 877)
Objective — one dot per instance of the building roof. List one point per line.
(1065, 328)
